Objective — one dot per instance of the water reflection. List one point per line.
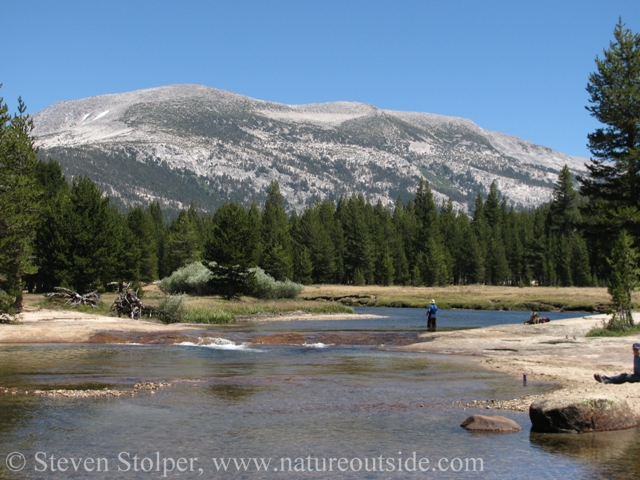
(591, 447)
(610, 454)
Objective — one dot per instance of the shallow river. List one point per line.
(306, 411)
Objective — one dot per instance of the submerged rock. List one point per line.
(493, 423)
(580, 414)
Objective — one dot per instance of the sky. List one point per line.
(512, 66)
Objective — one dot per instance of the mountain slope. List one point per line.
(181, 143)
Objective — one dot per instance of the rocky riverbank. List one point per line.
(557, 352)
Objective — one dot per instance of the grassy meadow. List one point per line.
(211, 309)
(478, 297)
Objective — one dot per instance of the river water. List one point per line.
(311, 410)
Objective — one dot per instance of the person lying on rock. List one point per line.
(624, 377)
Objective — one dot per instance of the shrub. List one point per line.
(197, 279)
(268, 287)
(192, 279)
(171, 309)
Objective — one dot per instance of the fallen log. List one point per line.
(75, 299)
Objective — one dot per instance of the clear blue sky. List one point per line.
(513, 66)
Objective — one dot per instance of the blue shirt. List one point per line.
(432, 310)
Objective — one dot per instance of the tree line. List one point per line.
(82, 241)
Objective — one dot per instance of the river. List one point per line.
(314, 410)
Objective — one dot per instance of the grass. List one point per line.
(603, 332)
(207, 315)
(210, 309)
(202, 309)
(478, 297)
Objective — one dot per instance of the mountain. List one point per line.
(184, 143)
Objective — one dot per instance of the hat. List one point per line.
(636, 346)
(433, 301)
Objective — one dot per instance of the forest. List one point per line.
(84, 242)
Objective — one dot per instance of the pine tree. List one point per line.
(183, 243)
(614, 172)
(623, 280)
(327, 216)
(492, 206)
(160, 236)
(469, 264)
(482, 233)
(142, 228)
(227, 244)
(564, 214)
(51, 244)
(276, 259)
(358, 261)
(580, 267)
(254, 241)
(400, 262)
(20, 204)
(95, 237)
(228, 254)
(384, 238)
(316, 239)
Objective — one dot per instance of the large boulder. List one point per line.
(494, 423)
(580, 414)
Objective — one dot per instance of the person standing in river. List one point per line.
(431, 316)
(624, 377)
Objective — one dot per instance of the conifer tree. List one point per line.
(276, 259)
(384, 240)
(564, 214)
(357, 242)
(613, 183)
(20, 204)
(183, 243)
(51, 244)
(141, 226)
(400, 262)
(623, 280)
(327, 216)
(469, 263)
(254, 217)
(580, 266)
(95, 237)
(228, 254)
(227, 244)
(160, 235)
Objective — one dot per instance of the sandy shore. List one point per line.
(558, 352)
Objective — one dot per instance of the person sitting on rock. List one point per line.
(624, 377)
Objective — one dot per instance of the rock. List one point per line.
(494, 423)
(580, 414)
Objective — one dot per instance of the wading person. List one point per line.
(625, 377)
(431, 316)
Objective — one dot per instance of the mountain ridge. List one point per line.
(225, 146)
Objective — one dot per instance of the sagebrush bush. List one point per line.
(268, 287)
(171, 309)
(193, 279)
